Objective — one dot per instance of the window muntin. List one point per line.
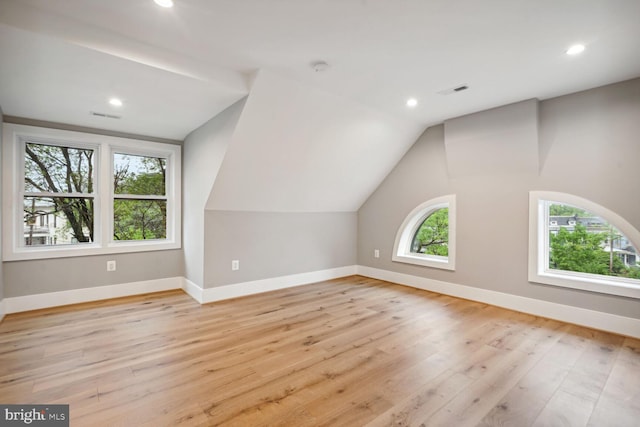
(427, 235)
(578, 244)
(140, 201)
(432, 237)
(34, 221)
(57, 194)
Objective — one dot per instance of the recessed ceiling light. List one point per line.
(412, 102)
(115, 102)
(575, 49)
(164, 3)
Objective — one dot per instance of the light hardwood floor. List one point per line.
(346, 352)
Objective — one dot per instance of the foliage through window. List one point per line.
(432, 238)
(84, 194)
(58, 200)
(427, 235)
(584, 242)
(140, 202)
(578, 244)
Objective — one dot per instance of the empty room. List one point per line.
(320, 213)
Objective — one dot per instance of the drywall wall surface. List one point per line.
(274, 244)
(588, 147)
(85, 129)
(1, 263)
(203, 152)
(64, 274)
(299, 149)
(502, 140)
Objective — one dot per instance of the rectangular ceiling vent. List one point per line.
(105, 115)
(455, 89)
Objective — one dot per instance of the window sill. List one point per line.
(433, 261)
(586, 282)
(87, 250)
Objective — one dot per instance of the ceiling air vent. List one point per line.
(455, 89)
(105, 115)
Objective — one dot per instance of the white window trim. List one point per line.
(149, 152)
(12, 219)
(539, 272)
(413, 221)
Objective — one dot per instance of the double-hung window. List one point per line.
(139, 197)
(58, 197)
(71, 194)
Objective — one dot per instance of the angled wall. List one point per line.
(300, 164)
(204, 151)
(588, 146)
(299, 149)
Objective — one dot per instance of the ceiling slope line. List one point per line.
(102, 40)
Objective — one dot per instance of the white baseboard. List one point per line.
(593, 319)
(265, 285)
(192, 289)
(75, 296)
(566, 313)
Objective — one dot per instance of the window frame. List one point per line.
(407, 230)
(119, 149)
(539, 271)
(14, 138)
(21, 193)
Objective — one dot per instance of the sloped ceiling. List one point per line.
(380, 52)
(62, 82)
(300, 149)
(307, 141)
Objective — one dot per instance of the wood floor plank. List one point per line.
(524, 402)
(345, 352)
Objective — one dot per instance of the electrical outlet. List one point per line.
(235, 265)
(111, 266)
(376, 253)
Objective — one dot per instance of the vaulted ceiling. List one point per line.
(175, 68)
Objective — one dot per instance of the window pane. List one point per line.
(432, 237)
(139, 219)
(57, 221)
(54, 169)
(583, 242)
(139, 175)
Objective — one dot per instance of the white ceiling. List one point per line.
(176, 68)
(300, 149)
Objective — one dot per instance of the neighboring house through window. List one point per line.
(576, 243)
(82, 194)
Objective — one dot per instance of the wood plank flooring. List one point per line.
(346, 352)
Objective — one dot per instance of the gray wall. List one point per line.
(203, 152)
(62, 274)
(1, 263)
(267, 244)
(589, 147)
(272, 244)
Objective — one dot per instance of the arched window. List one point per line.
(576, 243)
(428, 234)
